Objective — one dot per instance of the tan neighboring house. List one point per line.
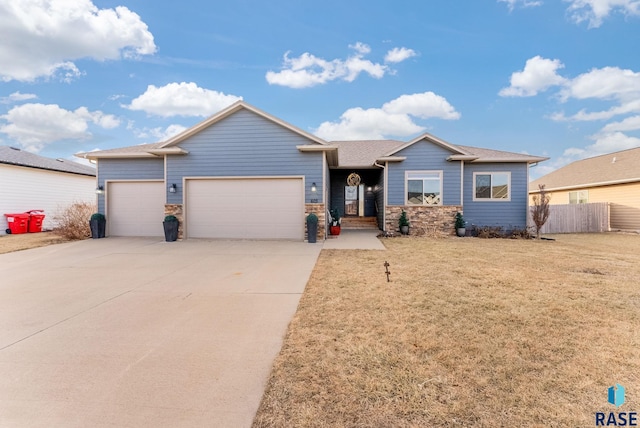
(612, 178)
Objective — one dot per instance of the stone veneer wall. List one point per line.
(320, 211)
(424, 220)
(176, 210)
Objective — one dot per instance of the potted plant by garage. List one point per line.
(334, 228)
(403, 222)
(97, 224)
(461, 224)
(170, 225)
(312, 228)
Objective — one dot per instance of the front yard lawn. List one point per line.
(469, 332)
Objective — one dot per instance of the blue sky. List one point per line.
(559, 78)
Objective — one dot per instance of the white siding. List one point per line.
(25, 189)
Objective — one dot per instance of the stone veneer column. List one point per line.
(424, 220)
(320, 211)
(176, 210)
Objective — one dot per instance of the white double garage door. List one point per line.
(255, 208)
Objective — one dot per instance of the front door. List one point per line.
(351, 202)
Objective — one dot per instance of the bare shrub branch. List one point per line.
(73, 221)
(540, 209)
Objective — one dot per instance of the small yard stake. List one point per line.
(386, 268)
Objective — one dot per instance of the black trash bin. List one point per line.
(312, 228)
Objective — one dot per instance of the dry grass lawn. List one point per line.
(469, 332)
(25, 241)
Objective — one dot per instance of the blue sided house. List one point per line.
(244, 174)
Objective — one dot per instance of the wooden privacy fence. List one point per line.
(576, 218)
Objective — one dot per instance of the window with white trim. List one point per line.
(492, 186)
(579, 197)
(423, 187)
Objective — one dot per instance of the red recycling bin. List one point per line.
(18, 223)
(36, 218)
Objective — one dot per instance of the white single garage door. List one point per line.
(135, 208)
(256, 208)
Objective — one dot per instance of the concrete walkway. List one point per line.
(355, 240)
(122, 332)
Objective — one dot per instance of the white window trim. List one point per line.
(406, 187)
(578, 192)
(507, 199)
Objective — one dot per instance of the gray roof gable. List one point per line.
(14, 156)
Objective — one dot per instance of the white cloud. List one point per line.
(393, 119)
(396, 55)
(42, 38)
(604, 83)
(181, 99)
(308, 70)
(159, 133)
(425, 105)
(608, 83)
(17, 97)
(595, 11)
(629, 124)
(539, 74)
(604, 143)
(524, 3)
(35, 125)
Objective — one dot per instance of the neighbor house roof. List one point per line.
(18, 157)
(613, 168)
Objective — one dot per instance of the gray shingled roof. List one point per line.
(363, 153)
(489, 154)
(623, 166)
(13, 156)
(140, 148)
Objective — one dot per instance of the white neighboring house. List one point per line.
(33, 182)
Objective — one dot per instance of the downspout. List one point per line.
(462, 185)
(384, 195)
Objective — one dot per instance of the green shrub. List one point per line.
(98, 216)
(312, 218)
(403, 220)
(170, 218)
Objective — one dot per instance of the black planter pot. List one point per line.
(97, 228)
(170, 230)
(312, 232)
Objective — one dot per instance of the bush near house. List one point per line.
(73, 221)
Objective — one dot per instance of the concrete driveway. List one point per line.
(124, 332)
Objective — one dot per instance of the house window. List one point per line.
(492, 186)
(424, 187)
(579, 197)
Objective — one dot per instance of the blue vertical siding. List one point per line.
(245, 144)
(128, 169)
(424, 156)
(507, 214)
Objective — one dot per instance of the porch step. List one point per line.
(359, 223)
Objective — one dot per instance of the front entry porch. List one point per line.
(358, 196)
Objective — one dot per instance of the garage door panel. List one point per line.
(245, 208)
(135, 208)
